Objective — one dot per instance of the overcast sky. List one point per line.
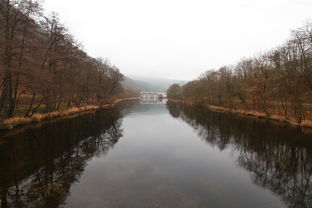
(179, 39)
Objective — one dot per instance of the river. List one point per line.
(156, 155)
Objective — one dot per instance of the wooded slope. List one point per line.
(43, 67)
(277, 82)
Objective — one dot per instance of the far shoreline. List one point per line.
(306, 124)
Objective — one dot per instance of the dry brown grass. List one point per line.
(251, 113)
(306, 123)
(19, 121)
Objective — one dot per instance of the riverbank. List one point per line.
(249, 113)
(14, 122)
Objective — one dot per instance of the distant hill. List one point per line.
(137, 84)
(149, 83)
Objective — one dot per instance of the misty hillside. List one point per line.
(149, 83)
(136, 84)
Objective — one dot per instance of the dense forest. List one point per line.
(44, 68)
(277, 82)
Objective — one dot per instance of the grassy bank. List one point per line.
(250, 113)
(38, 117)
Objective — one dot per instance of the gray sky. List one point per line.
(179, 39)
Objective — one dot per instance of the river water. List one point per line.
(156, 155)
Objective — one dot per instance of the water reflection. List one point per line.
(159, 162)
(277, 158)
(39, 165)
(153, 101)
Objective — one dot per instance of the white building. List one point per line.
(153, 96)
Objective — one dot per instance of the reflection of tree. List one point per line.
(174, 109)
(278, 158)
(39, 165)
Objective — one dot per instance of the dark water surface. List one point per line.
(154, 155)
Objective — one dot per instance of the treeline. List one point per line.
(276, 82)
(43, 67)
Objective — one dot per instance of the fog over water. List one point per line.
(179, 39)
